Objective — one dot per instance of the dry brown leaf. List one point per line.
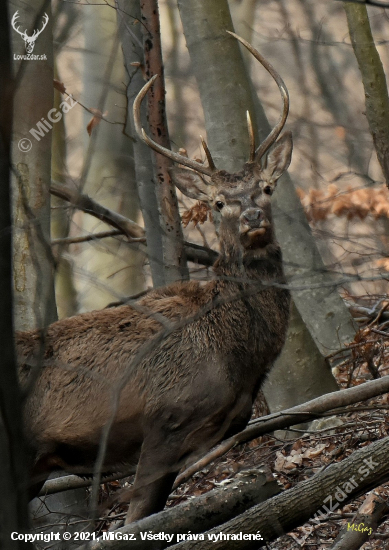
(279, 462)
(95, 120)
(316, 451)
(60, 86)
(197, 214)
(141, 67)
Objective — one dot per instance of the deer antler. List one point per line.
(254, 154)
(251, 137)
(13, 23)
(271, 138)
(176, 157)
(45, 21)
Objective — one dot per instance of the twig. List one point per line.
(276, 421)
(134, 232)
(91, 237)
(66, 483)
(86, 204)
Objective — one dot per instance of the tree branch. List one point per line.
(90, 206)
(326, 491)
(375, 3)
(134, 232)
(198, 514)
(284, 419)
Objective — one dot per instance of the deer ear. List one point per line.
(278, 159)
(191, 184)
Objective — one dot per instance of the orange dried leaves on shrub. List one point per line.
(197, 214)
(352, 203)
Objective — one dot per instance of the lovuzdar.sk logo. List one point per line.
(29, 41)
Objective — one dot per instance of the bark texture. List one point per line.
(373, 79)
(196, 516)
(33, 275)
(174, 261)
(367, 467)
(357, 531)
(13, 467)
(128, 17)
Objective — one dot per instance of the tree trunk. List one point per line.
(131, 39)
(160, 245)
(172, 237)
(374, 81)
(65, 292)
(33, 269)
(293, 380)
(13, 465)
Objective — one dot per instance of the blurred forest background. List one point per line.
(334, 166)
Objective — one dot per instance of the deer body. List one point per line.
(178, 371)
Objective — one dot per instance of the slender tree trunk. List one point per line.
(13, 465)
(128, 17)
(33, 275)
(65, 508)
(374, 81)
(172, 237)
(65, 292)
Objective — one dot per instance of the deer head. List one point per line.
(242, 198)
(29, 41)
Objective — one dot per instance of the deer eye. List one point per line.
(268, 190)
(219, 205)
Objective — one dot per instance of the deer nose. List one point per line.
(252, 214)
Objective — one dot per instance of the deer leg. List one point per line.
(157, 469)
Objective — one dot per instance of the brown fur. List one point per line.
(170, 395)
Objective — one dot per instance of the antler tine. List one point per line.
(13, 23)
(207, 152)
(162, 150)
(251, 136)
(271, 138)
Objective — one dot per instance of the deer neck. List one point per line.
(231, 250)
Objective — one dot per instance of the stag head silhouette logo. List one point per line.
(29, 41)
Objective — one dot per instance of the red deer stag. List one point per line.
(168, 399)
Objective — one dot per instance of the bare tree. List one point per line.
(13, 467)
